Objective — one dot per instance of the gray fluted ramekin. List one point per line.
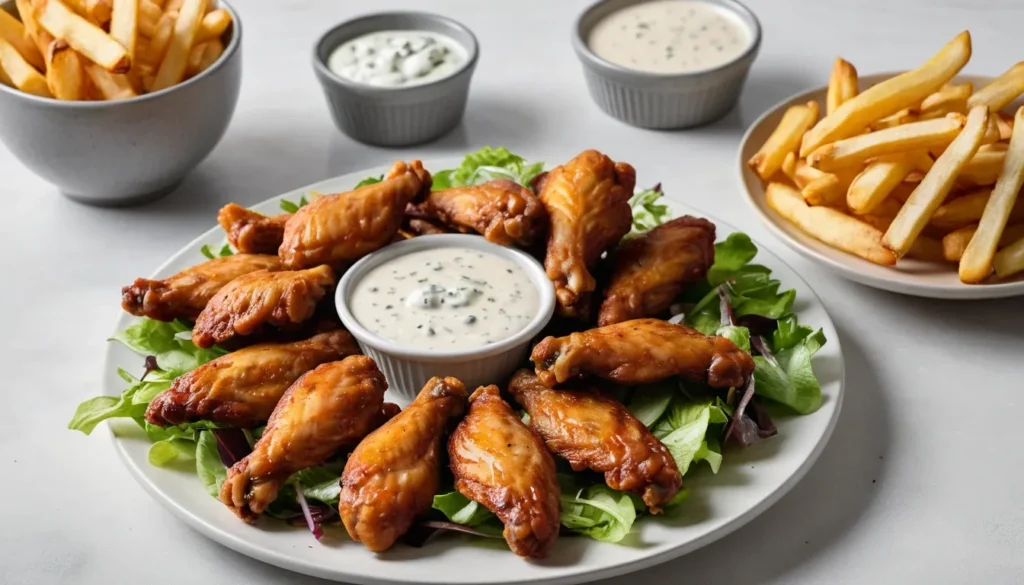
(403, 116)
(663, 101)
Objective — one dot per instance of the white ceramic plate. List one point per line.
(748, 483)
(910, 277)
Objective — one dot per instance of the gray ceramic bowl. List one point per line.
(405, 116)
(127, 151)
(660, 101)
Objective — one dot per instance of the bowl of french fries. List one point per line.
(904, 181)
(116, 101)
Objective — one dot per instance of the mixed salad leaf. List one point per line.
(738, 299)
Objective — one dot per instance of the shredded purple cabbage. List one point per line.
(318, 532)
(321, 514)
(231, 445)
(725, 307)
(151, 366)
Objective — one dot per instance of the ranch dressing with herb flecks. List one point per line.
(449, 298)
(397, 58)
(670, 37)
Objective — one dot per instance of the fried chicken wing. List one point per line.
(587, 200)
(328, 408)
(261, 298)
(392, 475)
(640, 352)
(242, 388)
(252, 232)
(344, 227)
(503, 211)
(499, 462)
(594, 431)
(185, 295)
(650, 271)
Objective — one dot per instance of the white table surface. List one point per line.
(922, 481)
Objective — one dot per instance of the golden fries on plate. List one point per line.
(921, 165)
(108, 49)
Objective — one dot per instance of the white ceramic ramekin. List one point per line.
(408, 368)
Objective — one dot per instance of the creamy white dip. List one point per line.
(670, 36)
(450, 298)
(397, 58)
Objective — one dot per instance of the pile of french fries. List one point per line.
(108, 49)
(915, 166)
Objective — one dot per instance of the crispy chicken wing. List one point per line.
(587, 200)
(392, 475)
(503, 211)
(640, 352)
(251, 232)
(261, 298)
(185, 295)
(649, 271)
(328, 408)
(594, 431)
(498, 461)
(344, 227)
(242, 388)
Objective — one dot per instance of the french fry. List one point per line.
(64, 75)
(829, 226)
(927, 249)
(1003, 90)
(950, 99)
(173, 5)
(1005, 126)
(914, 136)
(890, 96)
(20, 73)
(875, 182)
(955, 242)
(842, 84)
(879, 222)
(789, 166)
(932, 190)
(99, 11)
(784, 139)
(904, 116)
(992, 132)
(211, 52)
(172, 68)
(83, 36)
(194, 57)
(961, 211)
(111, 86)
(1009, 260)
(157, 45)
(214, 24)
(13, 31)
(983, 168)
(124, 25)
(827, 191)
(976, 264)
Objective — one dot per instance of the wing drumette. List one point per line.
(593, 431)
(392, 475)
(329, 408)
(498, 461)
(252, 232)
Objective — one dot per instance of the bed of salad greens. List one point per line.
(738, 299)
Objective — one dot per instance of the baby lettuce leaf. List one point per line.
(649, 402)
(209, 468)
(363, 183)
(210, 253)
(648, 212)
(789, 378)
(685, 429)
(596, 511)
(485, 165)
(462, 510)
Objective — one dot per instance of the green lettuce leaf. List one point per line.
(462, 510)
(649, 402)
(648, 212)
(210, 253)
(791, 380)
(731, 256)
(736, 334)
(321, 483)
(368, 181)
(596, 511)
(209, 468)
(688, 431)
(485, 165)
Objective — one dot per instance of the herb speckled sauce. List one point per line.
(449, 298)
(397, 58)
(670, 36)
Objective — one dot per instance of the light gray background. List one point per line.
(922, 481)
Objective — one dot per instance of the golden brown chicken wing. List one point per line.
(593, 431)
(242, 388)
(498, 461)
(503, 211)
(650, 271)
(344, 227)
(640, 352)
(392, 475)
(261, 298)
(587, 200)
(185, 295)
(328, 408)
(252, 232)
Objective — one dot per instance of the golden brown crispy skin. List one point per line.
(327, 409)
(240, 389)
(650, 271)
(251, 232)
(640, 352)
(503, 211)
(593, 431)
(344, 227)
(587, 200)
(253, 300)
(185, 295)
(498, 461)
(392, 475)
